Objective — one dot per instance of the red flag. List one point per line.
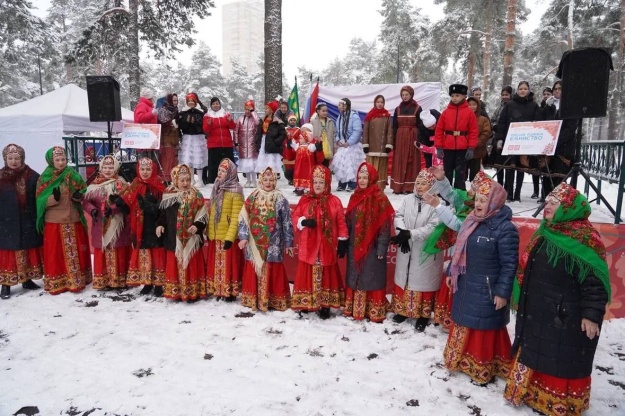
(312, 103)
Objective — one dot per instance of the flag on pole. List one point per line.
(311, 102)
(293, 102)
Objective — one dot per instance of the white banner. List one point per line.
(532, 138)
(141, 136)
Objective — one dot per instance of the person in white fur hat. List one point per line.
(426, 136)
(306, 157)
(145, 112)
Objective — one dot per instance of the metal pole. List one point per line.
(398, 59)
(578, 154)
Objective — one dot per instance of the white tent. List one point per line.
(41, 122)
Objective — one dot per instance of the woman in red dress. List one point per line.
(266, 232)
(147, 261)
(320, 220)
(182, 221)
(20, 243)
(110, 231)
(406, 155)
(369, 216)
(306, 157)
(66, 260)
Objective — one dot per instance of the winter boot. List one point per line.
(158, 291)
(421, 324)
(146, 290)
(324, 313)
(30, 285)
(398, 319)
(231, 298)
(5, 292)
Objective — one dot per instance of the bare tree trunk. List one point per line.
(508, 55)
(487, 50)
(570, 23)
(134, 72)
(616, 98)
(471, 68)
(273, 49)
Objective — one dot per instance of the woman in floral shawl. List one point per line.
(20, 243)
(561, 288)
(225, 259)
(182, 221)
(147, 261)
(66, 260)
(265, 231)
(323, 239)
(110, 231)
(369, 215)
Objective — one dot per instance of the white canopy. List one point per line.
(40, 123)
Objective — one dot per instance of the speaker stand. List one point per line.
(577, 170)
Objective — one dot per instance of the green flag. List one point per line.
(293, 102)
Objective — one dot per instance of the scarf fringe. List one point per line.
(252, 248)
(113, 231)
(184, 253)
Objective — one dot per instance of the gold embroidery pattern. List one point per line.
(318, 297)
(220, 284)
(263, 300)
(112, 276)
(412, 305)
(145, 273)
(359, 307)
(23, 271)
(74, 278)
(457, 359)
(522, 388)
(183, 289)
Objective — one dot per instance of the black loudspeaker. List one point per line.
(585, 74)
(103, 95)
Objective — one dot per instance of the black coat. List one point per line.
(168, 218)
(566, 139)
(549, 318)
(190, 121)
(150, 217)
(18, 229)
(426, 136)
(517, 110)
(275, 137)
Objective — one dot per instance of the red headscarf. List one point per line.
(140, 187)
(320, 202)
(375, 112)
(371, 209)
(411, 102)
(273, 105)
(191, 96)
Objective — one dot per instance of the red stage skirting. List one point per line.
(613, 237)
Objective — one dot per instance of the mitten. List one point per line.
(227, 245)
(94, 213)
(108, 212)
(56, 193)
(310, 223)
(342, 249)
(469, 154)
(365, 149)
(77, 195)
(388, 149)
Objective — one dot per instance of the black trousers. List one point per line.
(474, 166)
(428, 159)
(455, 164)
(215, 156)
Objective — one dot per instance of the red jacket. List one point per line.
(217, 129)
(143, 112)
(456, 118)
(312, 241)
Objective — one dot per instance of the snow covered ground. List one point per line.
(117, 353)
(120, 354)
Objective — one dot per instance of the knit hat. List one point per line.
(427, 118)
(250, 103)
(147, 93)
(458, 89)
(191, 97)
(308, 126)
(273, 105)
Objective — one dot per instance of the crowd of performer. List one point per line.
(159, 233)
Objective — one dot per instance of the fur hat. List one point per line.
(458, 89)
(308, 126)
(147, 93)
(427, 118)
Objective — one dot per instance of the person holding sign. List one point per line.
(522, 107)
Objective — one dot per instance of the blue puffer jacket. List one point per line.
(492, 259)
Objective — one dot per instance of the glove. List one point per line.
(77, 195)
(155, 111)
(94, 213)
(227, 245)
(388, 149)
(365, 149)
(550, 100)
(108, 212)
(312, 148)
(405, 247)
(342, 249)
(310, 223)
(56, 193)
(499, 144)
(116, 199)
(469, 154)
(440, 153)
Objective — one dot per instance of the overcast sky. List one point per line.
(316, 32)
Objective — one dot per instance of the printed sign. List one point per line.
(141, 136)
(532, 138)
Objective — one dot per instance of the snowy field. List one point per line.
(117, 353)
